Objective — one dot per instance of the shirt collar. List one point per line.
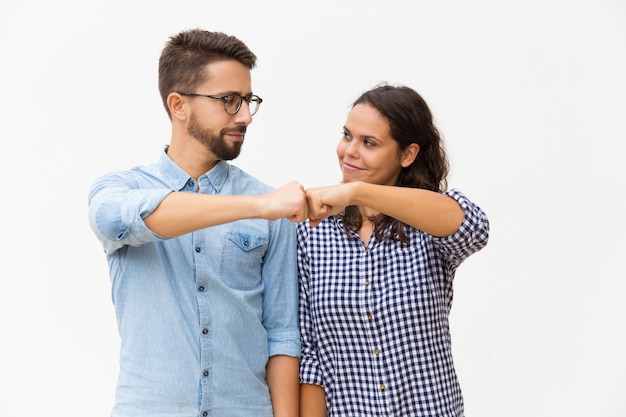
(177, 178)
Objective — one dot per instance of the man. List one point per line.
(201, 255)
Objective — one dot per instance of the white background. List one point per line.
(529, 95)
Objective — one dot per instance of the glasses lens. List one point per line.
(254, 104)
(232, 103)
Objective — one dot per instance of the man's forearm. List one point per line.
(284, 384)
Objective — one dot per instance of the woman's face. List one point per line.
(367, 152)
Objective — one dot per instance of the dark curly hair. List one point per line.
(410, 121)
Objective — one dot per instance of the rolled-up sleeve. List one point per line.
(310, 372)
(280, 300)
(117, 207)
(472, 235)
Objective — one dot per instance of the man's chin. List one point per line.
(230, 154)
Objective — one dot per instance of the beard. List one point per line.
(216, 143)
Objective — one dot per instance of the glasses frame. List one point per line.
(226, 99)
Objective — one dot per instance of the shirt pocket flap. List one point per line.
(245, 241)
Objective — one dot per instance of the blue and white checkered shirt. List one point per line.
(374, 318)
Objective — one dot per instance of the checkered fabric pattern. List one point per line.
(374, 319)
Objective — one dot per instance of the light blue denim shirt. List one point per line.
(198, 315)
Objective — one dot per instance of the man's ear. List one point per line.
(409, 155)
(175, 103)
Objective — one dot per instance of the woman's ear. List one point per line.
(409, 155)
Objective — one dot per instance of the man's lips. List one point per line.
(235, 135)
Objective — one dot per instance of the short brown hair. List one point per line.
(186, 54)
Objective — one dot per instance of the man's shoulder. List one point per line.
(137, 176)
(247, 181)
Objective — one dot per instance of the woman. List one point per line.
(376, 264)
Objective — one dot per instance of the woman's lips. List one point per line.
(350, 167)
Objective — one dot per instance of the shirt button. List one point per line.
(198, 249)
(367, 282)
(246, 243)
(205, 331)
(376, 351)
(382, 386)
(200, 288)
(204, 414)
(369, 317)
(367, 250)
(205, 373)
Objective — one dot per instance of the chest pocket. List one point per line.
(242, 260)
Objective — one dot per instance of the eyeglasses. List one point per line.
(232, 102)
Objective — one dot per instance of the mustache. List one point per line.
(238, 129)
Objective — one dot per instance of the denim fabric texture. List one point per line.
(198, 315)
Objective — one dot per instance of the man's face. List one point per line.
(222, 134)
(216, 141)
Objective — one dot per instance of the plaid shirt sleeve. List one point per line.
(471, 236)
(310, 372)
